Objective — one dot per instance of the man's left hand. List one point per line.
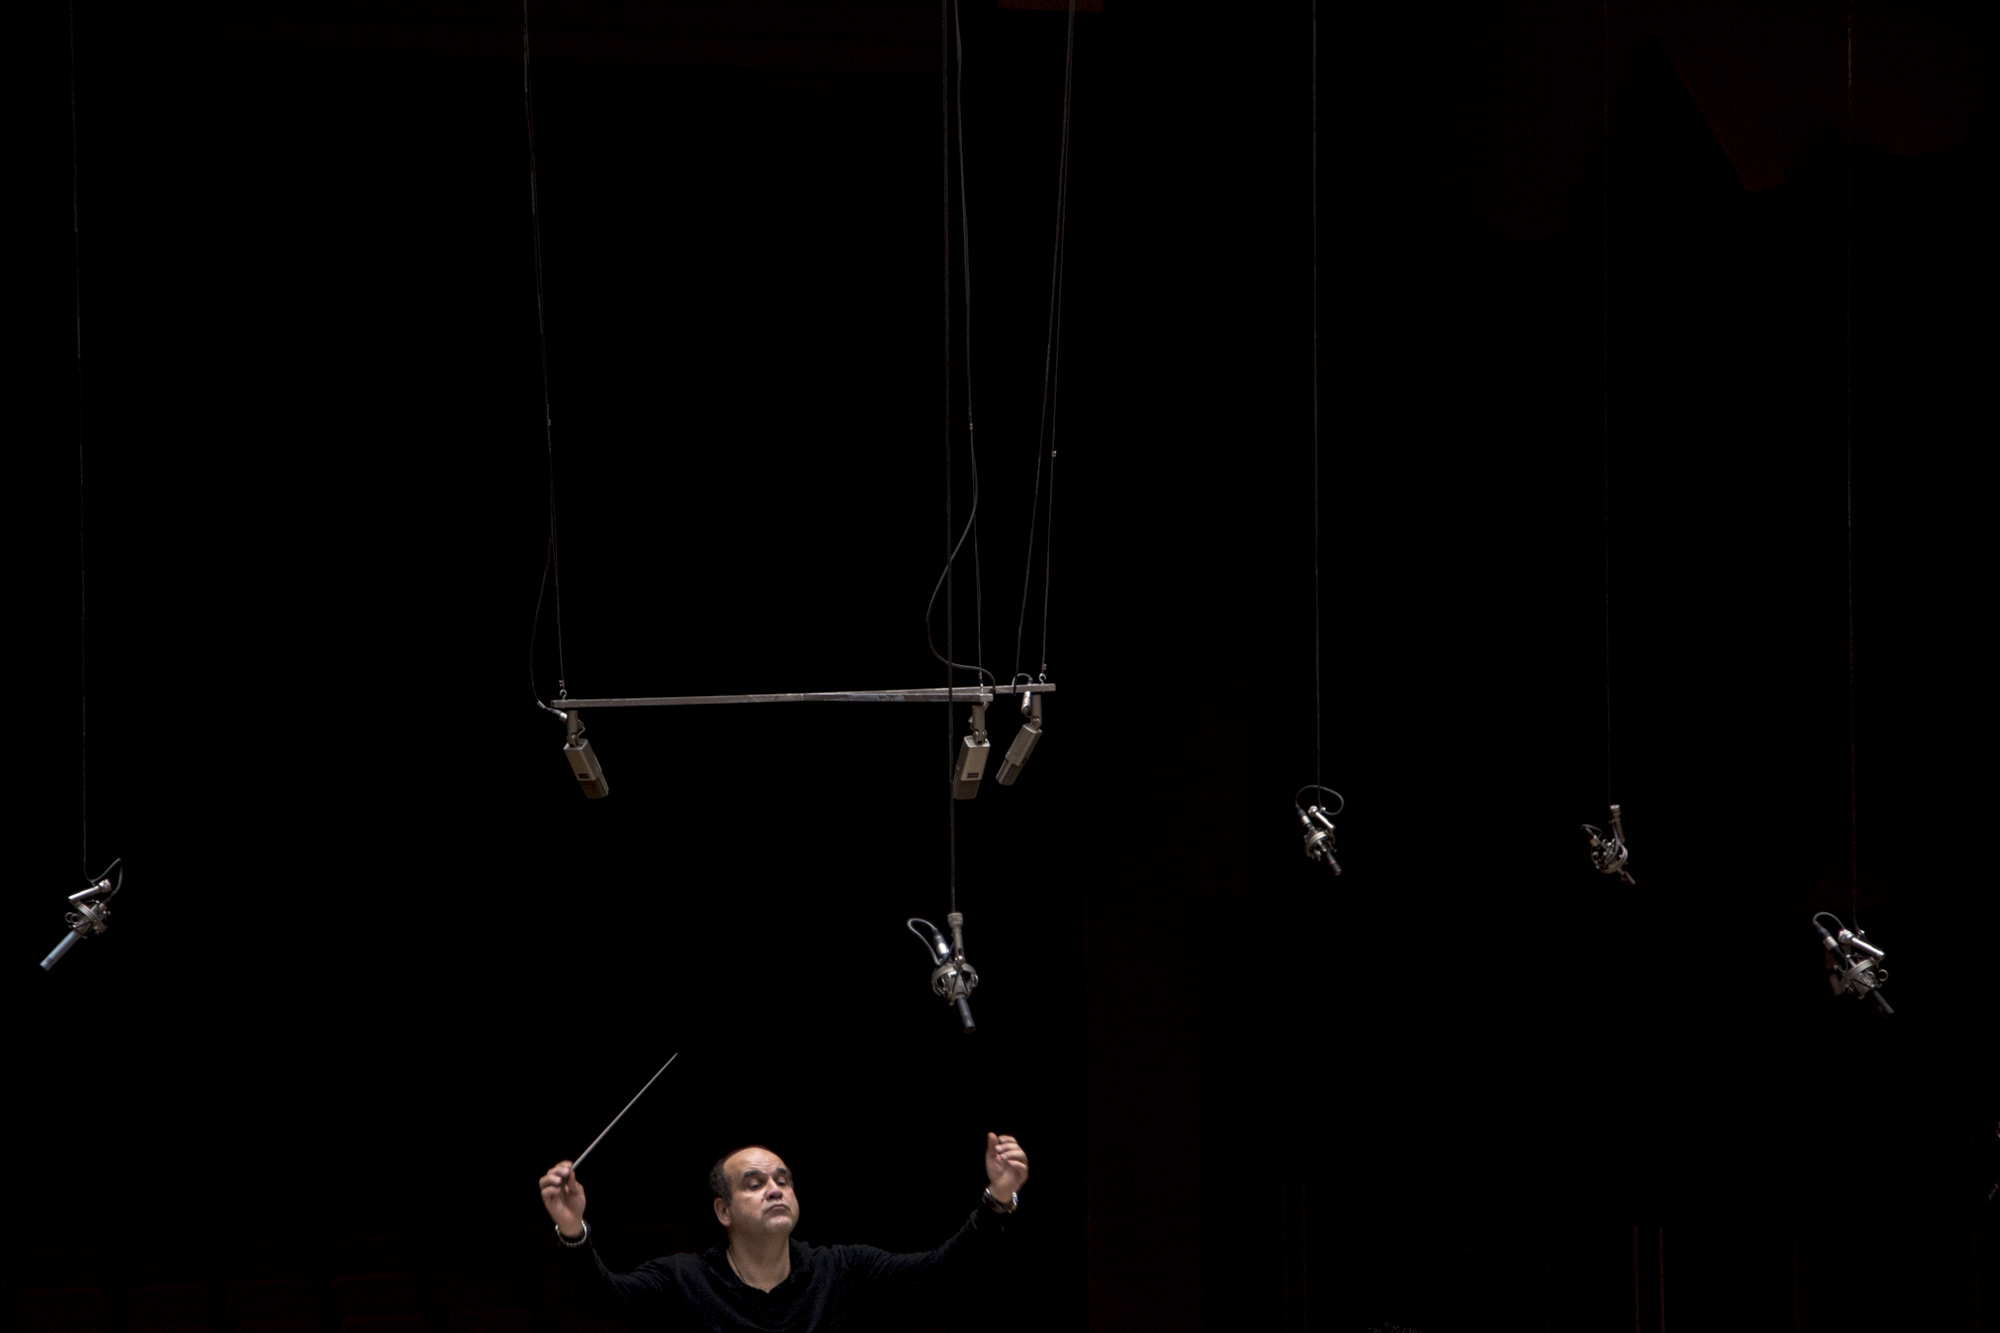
(1006, 1165)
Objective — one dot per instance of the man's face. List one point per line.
(761, 1199)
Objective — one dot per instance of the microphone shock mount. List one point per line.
(953, 979)
(91, 911)
(1608, 854)
(1855, 964)
(1318, 825)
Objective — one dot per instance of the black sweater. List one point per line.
(831, 1288)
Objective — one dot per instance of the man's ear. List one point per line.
(721, 1211)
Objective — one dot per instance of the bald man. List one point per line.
(761, 1279)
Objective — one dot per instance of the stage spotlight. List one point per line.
(1024, 740)
(951, 976)
(972, 753)
(93, 911)
(1609, 855)
(1858, 973)
(1318, 824)
(582, 759)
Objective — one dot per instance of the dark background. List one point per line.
(379, 964)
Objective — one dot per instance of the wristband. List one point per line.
(991, 1200)
(582, 1237)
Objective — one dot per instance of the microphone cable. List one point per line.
(954, 107)
(1604, 388)
(1853, 790)
(1318, 710)
(551, 564)
(82, 560)
(1051, 382)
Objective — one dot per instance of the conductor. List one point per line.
(760, 1278)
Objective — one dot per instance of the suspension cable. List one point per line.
(954, 110)
(950, 551)
(1853, 792)
(1318, 712)
(1604, 398)
(551, 564)
(1051, 369)
(82, 563)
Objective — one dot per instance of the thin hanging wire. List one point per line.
(950, 712)
(1048, 558)
(1051, 369)
(1318, 731)
(1604, 402)
(954, 104)
(551, 565)
(1662, 1234)
(1853, 793)
(965, 275)
(82, 564)
(952, 107)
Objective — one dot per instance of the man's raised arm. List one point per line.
(887, 1274)
(598, 1289)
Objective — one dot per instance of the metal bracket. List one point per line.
(969, 694)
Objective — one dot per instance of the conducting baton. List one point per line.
(621, 1115)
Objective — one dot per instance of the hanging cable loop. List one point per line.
(1298, 798)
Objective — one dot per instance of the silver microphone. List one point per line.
(582, 759)
(1859, 972)
(92, 912)
(952, 978)
(1608, 852)
(1318, 825)
(972, 753)
(1024, 741)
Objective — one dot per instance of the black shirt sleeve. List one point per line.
(879, 1274)
(648, 1294)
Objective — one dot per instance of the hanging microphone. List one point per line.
(1608, 855)
(1856, 973)
(972, 754)
(1318, 824)
(582, 759)
(93, 910)
(952, 978)
(1024, 740)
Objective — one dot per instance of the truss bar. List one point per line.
(970, 694)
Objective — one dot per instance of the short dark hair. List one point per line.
(718, 1179)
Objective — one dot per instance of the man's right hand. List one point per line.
(562, 1195)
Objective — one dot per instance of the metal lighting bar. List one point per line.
(971, 694)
